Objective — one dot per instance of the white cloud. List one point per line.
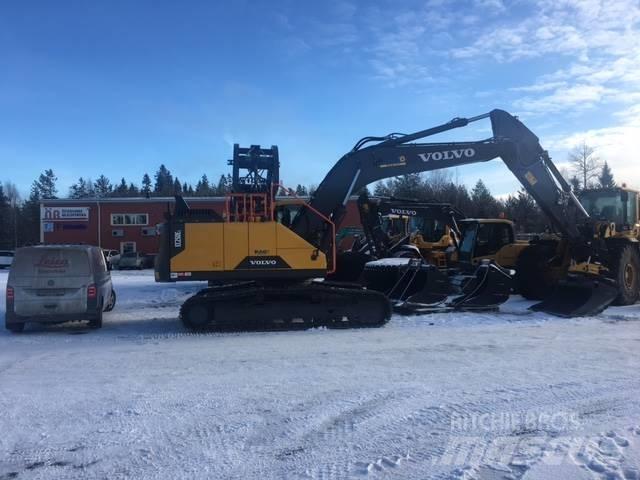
(580, 96)
(539, 87)
(616, 144)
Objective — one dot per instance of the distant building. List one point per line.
(130, 224)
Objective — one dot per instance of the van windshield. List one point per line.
(50, 262)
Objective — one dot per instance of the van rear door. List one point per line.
(50, 281)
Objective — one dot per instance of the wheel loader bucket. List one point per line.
(579, 296)
(489, 287)
(430, 287)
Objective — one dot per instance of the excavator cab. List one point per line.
(484, 239)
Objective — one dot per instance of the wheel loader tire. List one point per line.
(626, 270)
(531, 266)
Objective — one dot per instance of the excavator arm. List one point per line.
(377, 158)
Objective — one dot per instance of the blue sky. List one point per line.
(119, 87)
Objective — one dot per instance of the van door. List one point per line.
(50, 281)
(101, 276)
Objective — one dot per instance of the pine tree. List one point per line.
(523, 210)
(606, 177)
(575, 183)
(224, 185)
(177, 187)
(13, 198)
(29, 217)
(146, 185)
(408, 186)
(164, 182)
(133, 190)
(6, 223)
(102, 187)
(483, 203)
(45, 185)
(383, 189)
(122, 190)
(203, 188)
(83, 188)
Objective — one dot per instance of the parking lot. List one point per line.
(143, 395)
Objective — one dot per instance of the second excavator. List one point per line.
(264, 255)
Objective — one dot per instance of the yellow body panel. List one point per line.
(262, 239)
(204, 253)
(236, 243)
(223, 246)
(508, 255)
(296, 251)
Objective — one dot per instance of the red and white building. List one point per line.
(129, 224)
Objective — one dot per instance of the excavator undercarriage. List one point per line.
(255, 306)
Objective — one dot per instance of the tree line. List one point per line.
(20, 219)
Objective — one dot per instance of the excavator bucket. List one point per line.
(579, 296)
(423, 285)
(488, 288)
(349, 266)
(414, 285)
(408, 282)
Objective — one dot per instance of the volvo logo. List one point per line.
(403, 211)
(447, 155)
(262, 262)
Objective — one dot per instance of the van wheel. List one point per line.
(112, 301)
(15, 327)
(96, 321)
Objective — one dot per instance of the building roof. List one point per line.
(78, 201)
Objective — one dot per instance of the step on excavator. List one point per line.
(265, 256)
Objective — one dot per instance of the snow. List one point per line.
(390, 262)
(489, 396)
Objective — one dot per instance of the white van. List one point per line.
(6, 257)
(58, 283)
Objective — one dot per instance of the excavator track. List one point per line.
(253, 306)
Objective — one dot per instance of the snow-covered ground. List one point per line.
(487, 396)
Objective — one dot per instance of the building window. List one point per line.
(129, 219)
(127, 247)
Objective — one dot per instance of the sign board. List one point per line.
(62, 214)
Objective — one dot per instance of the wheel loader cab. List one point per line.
(617, 205)
(485, 239)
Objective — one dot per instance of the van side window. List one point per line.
(98, 260)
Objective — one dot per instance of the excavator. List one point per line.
(267, 257)
(405, 227)
(436, 232)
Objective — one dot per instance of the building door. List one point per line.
(127, 247)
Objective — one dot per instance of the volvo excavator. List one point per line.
(265, 256)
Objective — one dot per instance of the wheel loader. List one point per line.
(266, 257)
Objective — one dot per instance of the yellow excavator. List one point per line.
(264, 257)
